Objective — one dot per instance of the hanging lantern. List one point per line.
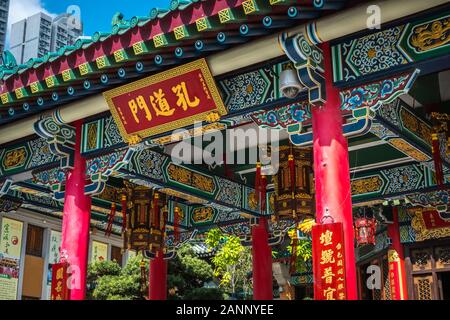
(145, 220)
(365, 229)
(176, 222)
(294, 183)
(123, 203)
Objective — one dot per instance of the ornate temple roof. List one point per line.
(163, 38)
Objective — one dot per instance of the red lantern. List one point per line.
(365, 230)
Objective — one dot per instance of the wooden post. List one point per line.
(396, 260)
(331, 170)
(76, 222)
(262, 262)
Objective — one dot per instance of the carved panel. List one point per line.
(442, 257)
(421, 259)
(423, 287)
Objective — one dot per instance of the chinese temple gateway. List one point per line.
(355, 97)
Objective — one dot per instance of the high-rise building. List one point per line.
(39, 34)
(4, 9)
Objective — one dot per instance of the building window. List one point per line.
(116, 255)
(35, 239)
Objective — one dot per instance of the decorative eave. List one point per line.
(145, 44)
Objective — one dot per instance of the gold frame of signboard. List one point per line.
(201, 65)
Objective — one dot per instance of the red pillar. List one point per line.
(396, 259)
(331, 170)
(76, 222)
(158, 277)
(262, 262)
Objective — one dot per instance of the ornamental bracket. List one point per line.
(5, 186)
(308, 60)
(60, 138)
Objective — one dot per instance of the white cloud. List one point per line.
(21, 9)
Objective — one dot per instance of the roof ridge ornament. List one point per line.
(118, 18)
(9, 64)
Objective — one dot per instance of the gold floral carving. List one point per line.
(272, 201)
(134, 139)
(203, 183)
(416, 126)
(184, 196)
(191, 178)
(110, 194)
(212, 117)
(409, 150)
(180, 214)
(15, 158)
(393, 256)
(366, 185)
(422, 232)
(179, 174)
(204, 214)
(432, 35)
(92, 136)
(252, 203)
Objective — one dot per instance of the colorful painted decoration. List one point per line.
(60, 139)
(391, 49)
(4, 186)
(283, 117)
(375, 94)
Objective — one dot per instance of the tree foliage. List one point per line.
(187, 275)
(108, 281)
(232, 261)
(303, 251)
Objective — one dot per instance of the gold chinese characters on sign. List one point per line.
(166, 101)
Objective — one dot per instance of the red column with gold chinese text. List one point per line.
(158, 277)
(76, 222)
(261, 262)
(396, 261)
(328, 262)
(332, 172)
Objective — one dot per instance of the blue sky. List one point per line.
(96, 15)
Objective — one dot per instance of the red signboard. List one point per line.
(396, 284)
(165, 101)
(328, 262)
(60, 289)
(433, 220)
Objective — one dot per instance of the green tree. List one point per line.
(187, 276)
(232, 262)
(302, 249)
(107, 281)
